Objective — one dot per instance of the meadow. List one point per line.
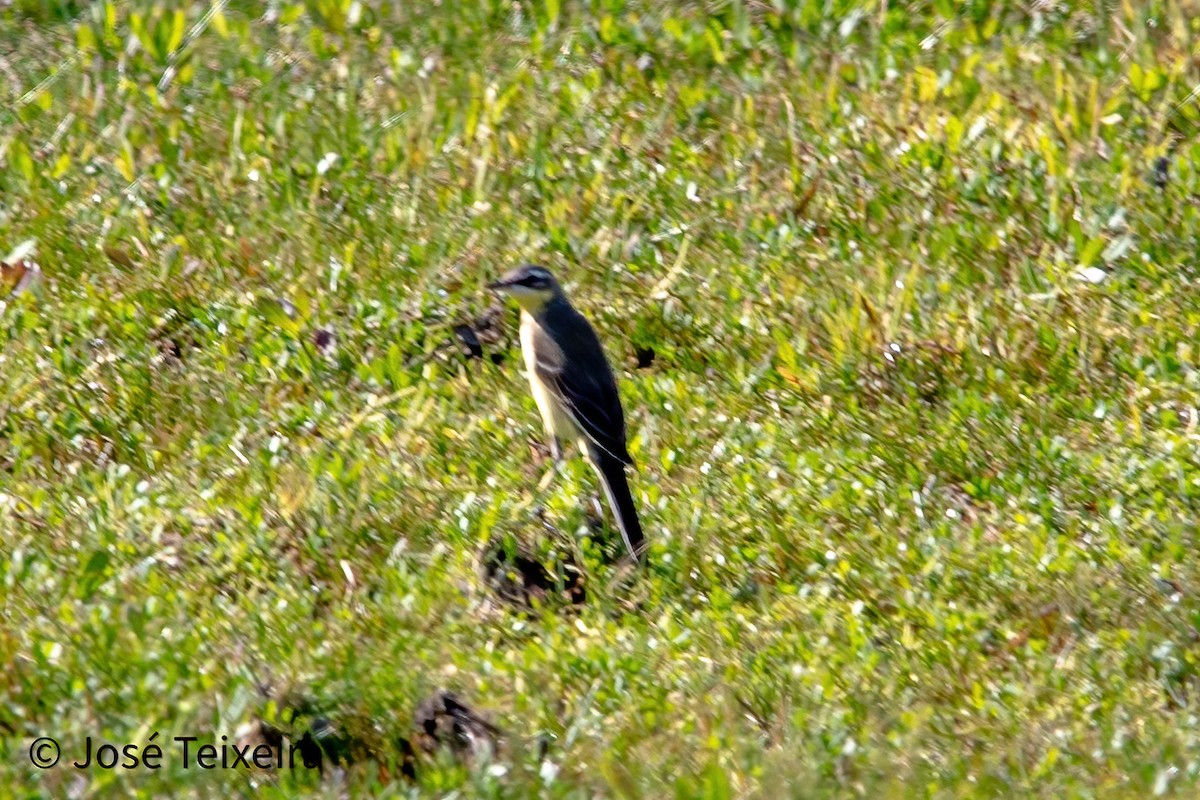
(902, 299)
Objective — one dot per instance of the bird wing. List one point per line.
(585, 386)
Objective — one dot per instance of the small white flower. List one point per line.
(326, 162)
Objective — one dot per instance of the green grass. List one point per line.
(922, 503)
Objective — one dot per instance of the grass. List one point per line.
(921, 499)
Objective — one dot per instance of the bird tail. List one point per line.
(616, 488)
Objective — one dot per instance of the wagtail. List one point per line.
(574, 387)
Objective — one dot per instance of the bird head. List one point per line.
(531, 286)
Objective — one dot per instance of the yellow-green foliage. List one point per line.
(917, 451)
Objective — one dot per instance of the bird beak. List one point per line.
(499, 285)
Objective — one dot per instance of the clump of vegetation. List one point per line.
(901, 297)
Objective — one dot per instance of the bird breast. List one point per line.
(555, 417)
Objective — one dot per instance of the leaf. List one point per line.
(178, 25)
(1049, 153)
(61, 165)
(97, 563)
(1155, 79)
(927, 84)
(954, 134)
(124, 162)
(275, 313)
(552, 11)
(85, 39)
(95, 571)
(712, 35)
(990, 27)
(1136, 77)
(20, 160)
(137, 24)
(1090, 250)
(716, 782)
(303, 304)
(787, 354)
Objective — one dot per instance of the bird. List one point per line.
(574, 388)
